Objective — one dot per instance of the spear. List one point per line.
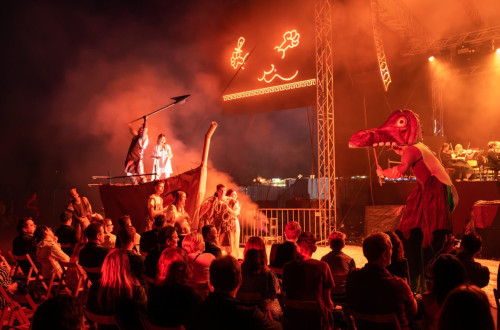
(178, 99)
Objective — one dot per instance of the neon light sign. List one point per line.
(290, 40)
(266, 73)
(236, 58)
(271, 89)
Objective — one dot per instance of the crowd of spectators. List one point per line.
(194, 284)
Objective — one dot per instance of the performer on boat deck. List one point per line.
(134, 165)
(162, 155)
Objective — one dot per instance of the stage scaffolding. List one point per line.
(325, 119)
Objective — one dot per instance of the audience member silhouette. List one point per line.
(149, 239)
(399, 264)
(307, 279)
(62, 312)
(66, 234)
(221, 310)
(171, 302)
(167, 237)
(340, 264)
(92, 254)
(287, 251)
(373, 290)
(257, 277)
(47, 248)
(470, 247)
(465, 308)
(118, 291)
(24, 243)
(446, 272)
(126, 236)
(200, 262)
(210, 235)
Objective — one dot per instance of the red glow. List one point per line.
(290, 40)
(236, 58)
(267, 73)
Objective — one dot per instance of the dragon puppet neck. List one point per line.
(402, 128)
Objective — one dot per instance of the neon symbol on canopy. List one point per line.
(236, 58)
(267, 73)
(290, 40)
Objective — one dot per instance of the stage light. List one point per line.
(498, 51)
(431, 59)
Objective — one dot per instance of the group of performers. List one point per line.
(162, 155)
(459, 159)
(220, 210)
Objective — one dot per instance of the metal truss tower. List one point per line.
(325, 118)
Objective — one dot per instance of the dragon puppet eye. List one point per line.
(401, 122)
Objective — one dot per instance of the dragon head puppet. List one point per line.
(401, 128)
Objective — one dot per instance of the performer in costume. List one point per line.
(80, 208)
(162, 155)
(430, 203)
(133, 163)
(155, 204)
(216, 211)
(176, 211)
(232, 224)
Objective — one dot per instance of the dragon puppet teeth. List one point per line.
(388, 144)
(381, 143)
(375, 144)
(394, 144)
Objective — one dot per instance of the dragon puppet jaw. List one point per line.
(401, 128)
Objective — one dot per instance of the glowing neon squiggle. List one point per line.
(290, 40)
(236, 58)
(275, 75)
(271, 89)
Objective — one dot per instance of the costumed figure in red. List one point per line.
(430, 203)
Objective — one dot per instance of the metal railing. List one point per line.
(269, 224)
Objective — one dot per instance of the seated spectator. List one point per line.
(7, 283)
(399, 264)
(257, 277)
(109, 237)
(466, 307)
(167, 238)
(340, 264)
(445, 273)
(66, 234)
(149, 239)
(62, 312)
(221, 310)
(24, 243)
(46, 248)
(470, 247)
(171, 302)
(308, 279)
(183, 229)
(93, 253)
(200, 262)
(373, 290)
(210, 235)
(126, 236)
(123, 222)
(255, 242)
(285, 252)
(118, 292)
